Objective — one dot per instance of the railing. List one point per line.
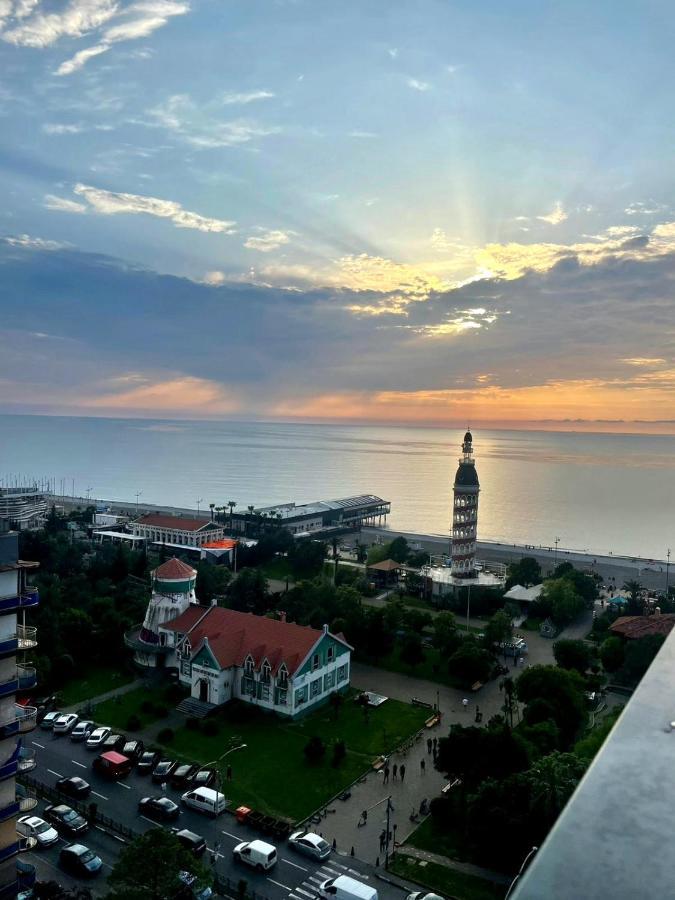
(27, 635)
(27, 760)
(7, 604)
(8, 769)
(30, 597)
(27, 676)
(26, 875)
(8, 809)
(27, 798)
(9, 728)
(26, 717)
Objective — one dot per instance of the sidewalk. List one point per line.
(116, 692)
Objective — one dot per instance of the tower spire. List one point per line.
(465, 513)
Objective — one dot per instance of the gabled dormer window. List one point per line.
(282, 677)
(330, 655)
(266, 673)
(249, 665)
(186, 649)
(315, 661)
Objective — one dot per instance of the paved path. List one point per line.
(116, 692)
(467, 868)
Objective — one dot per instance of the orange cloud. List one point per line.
(183, 394)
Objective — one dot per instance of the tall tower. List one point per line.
(465, 513)
(173, 590)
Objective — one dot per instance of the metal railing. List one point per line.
(27, 798)
(26, 717)
(10, 685)
(27, 677)
(27, 760)
(27, 636)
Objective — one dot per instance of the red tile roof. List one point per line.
(232, 636)
(186, 621)
(176, 522)
(634, 627)
(174, 568)
(387, 565)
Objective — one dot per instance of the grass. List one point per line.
(432, 668)
(92, 684)
(116, 711)
(272, 775)
(279, 568)
(446, 881)
(444, 841)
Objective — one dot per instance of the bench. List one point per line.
(432, 721)
(423, 703)
(477, 685)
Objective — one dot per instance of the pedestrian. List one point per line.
(386, 775)
(364, 818)
(435, 741)
(477, 714)
(429, 746)
(465, 703)
(163, 787)
(402, 772)
(383, 840)
(229, 773)
(394, 771)
(423, 766)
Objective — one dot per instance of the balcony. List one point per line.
(29, 597)
(8, 809)
(27, 760)
(27, 799)
(10, 685)
(26, 875)
(9, 768)
(10, 850)
(26, 717)
(26, 636)
(27, 677)
(132, 640)
(9, 643)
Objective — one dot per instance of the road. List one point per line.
(294, 876)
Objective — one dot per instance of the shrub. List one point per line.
(174, 693)
(339, 753)
(165, 736)
(315, 749)
(147, 706)
(210, 727)
(161, 711)
(133, 723)
(192, 724)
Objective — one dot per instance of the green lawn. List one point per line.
(279, 568)
(116, 711)
(271, 774)
(92, 684)
(445, 881)
(444, 841)
(433, 667)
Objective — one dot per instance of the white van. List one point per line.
(258, 854)
(205, 800)
(345, 888)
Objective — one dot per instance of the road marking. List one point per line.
(100, 795)
(233, 836)
(360, 874)
(151, 821)
(306, 893)
(295, 865)
(340, 866)
(316, 880)
(294, 897)
(41, 746)
(279, 884)
(125, 786)
(328, 869)
(52, 772)
(76, 763)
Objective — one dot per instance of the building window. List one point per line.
(282, 697)
(249, 665)
(186, 667)
(282, 677)
(315, 662)
(265, 692)
(328, 681)
(315, 688)
(330, 653)
(266, 675)
(248, 686)
(301, 696)
(342, 674)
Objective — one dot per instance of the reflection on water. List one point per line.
(596, 491)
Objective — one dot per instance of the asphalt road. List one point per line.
(294, 876)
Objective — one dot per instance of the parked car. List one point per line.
(74, 786)
(66, 820)
(133, 750)
(114, 742)
(203, 778)
(205, 800)
(80, 861)
(112, 765)
(65, 723)
(310, 844)
(148, 762)
(48, 721)
(423, 895)
(258, 854)
(82, 730)
(195, 843)
(97, 737)
(181, 775)
(345, 888)
(163, 770)
(161, 809)
(35, 827)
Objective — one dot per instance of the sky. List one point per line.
(421, 212)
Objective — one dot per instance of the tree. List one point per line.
(307, 558)
(212, 582)
(560, 597)
(416, 559)
(446, 637)
(315, 750)
(554, 693)
(411, 651)
(526, 571)
(249, 592)
(336, 700)
(639, 655)
(612, 653)
(571, 654)
(470, 663)
(498, 629)
(398, 550)
(148, 868)
(635, 603)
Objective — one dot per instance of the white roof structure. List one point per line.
(524, 595)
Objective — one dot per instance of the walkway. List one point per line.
(116, 692)
(467, 868)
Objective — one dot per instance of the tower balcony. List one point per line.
(26, 875)
(27, 760)
(132, 639)
(30, 596)
(27, 677)
(26, 717)
(26, 637)
(27, 799)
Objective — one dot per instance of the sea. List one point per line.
(598, 493)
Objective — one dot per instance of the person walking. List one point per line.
(423, 767)
(402, 772)
(394, 772)
(429, 746)
(465, 704)
(364, 819)
(383, 840)
(386, 775)
(477, 714)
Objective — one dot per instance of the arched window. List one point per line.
(266, 675)
(282, 676)
(249, 665)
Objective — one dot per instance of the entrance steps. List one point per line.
(195, 709)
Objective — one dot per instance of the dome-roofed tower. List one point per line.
(173, 590)
(465, 513)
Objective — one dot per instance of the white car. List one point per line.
(258, 854)
(423, 895)
(35, 827)
(97, 737)
(310, 844)
(65, 722)
(82, 730)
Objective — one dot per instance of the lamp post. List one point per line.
(137, 495)
(215, 763)
(198, 502)
(555, 555)
(468, 605)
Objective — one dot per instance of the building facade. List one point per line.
(17, 720)
(177, 530)
(222, 654)
(465, 513)
(23, 507)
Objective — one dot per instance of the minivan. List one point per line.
(345, 888)
(258, 854)
(112, 765)
(205, 800)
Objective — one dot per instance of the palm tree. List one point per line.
(251, 510)
(212, 506)
(231, 504)
(635, 602)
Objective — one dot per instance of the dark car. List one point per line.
(163, 770)
(74, 787)
(161, 809)
(181, 775)
(114, 742)
(195, 843)
(203, 778)
(133, 750)
(66, 820)
(80, 860)
(147, 762)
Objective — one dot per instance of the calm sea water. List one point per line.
(597, 492)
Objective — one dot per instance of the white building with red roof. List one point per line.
(223, 654)
(178, 531)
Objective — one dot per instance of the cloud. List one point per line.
(393, 52)
(110, 203)
(201, 128)
(42, 29)
(60, 128)
(556, 216)
(63, 205)
(651, 208)
(645, 361)
(362, 134)
(233, 99)
(268, 240)
(418, 85)
(173, 395)
(33, 243)
(214, 278)
(81, 58)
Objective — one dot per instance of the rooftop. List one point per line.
(634, 627)
(174, 568)
(177, 522)
(387, 565)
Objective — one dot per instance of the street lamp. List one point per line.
(555, 555)
(667, 570)
(137, 495)
(215, 763)
(468, 605)
(198, 502)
